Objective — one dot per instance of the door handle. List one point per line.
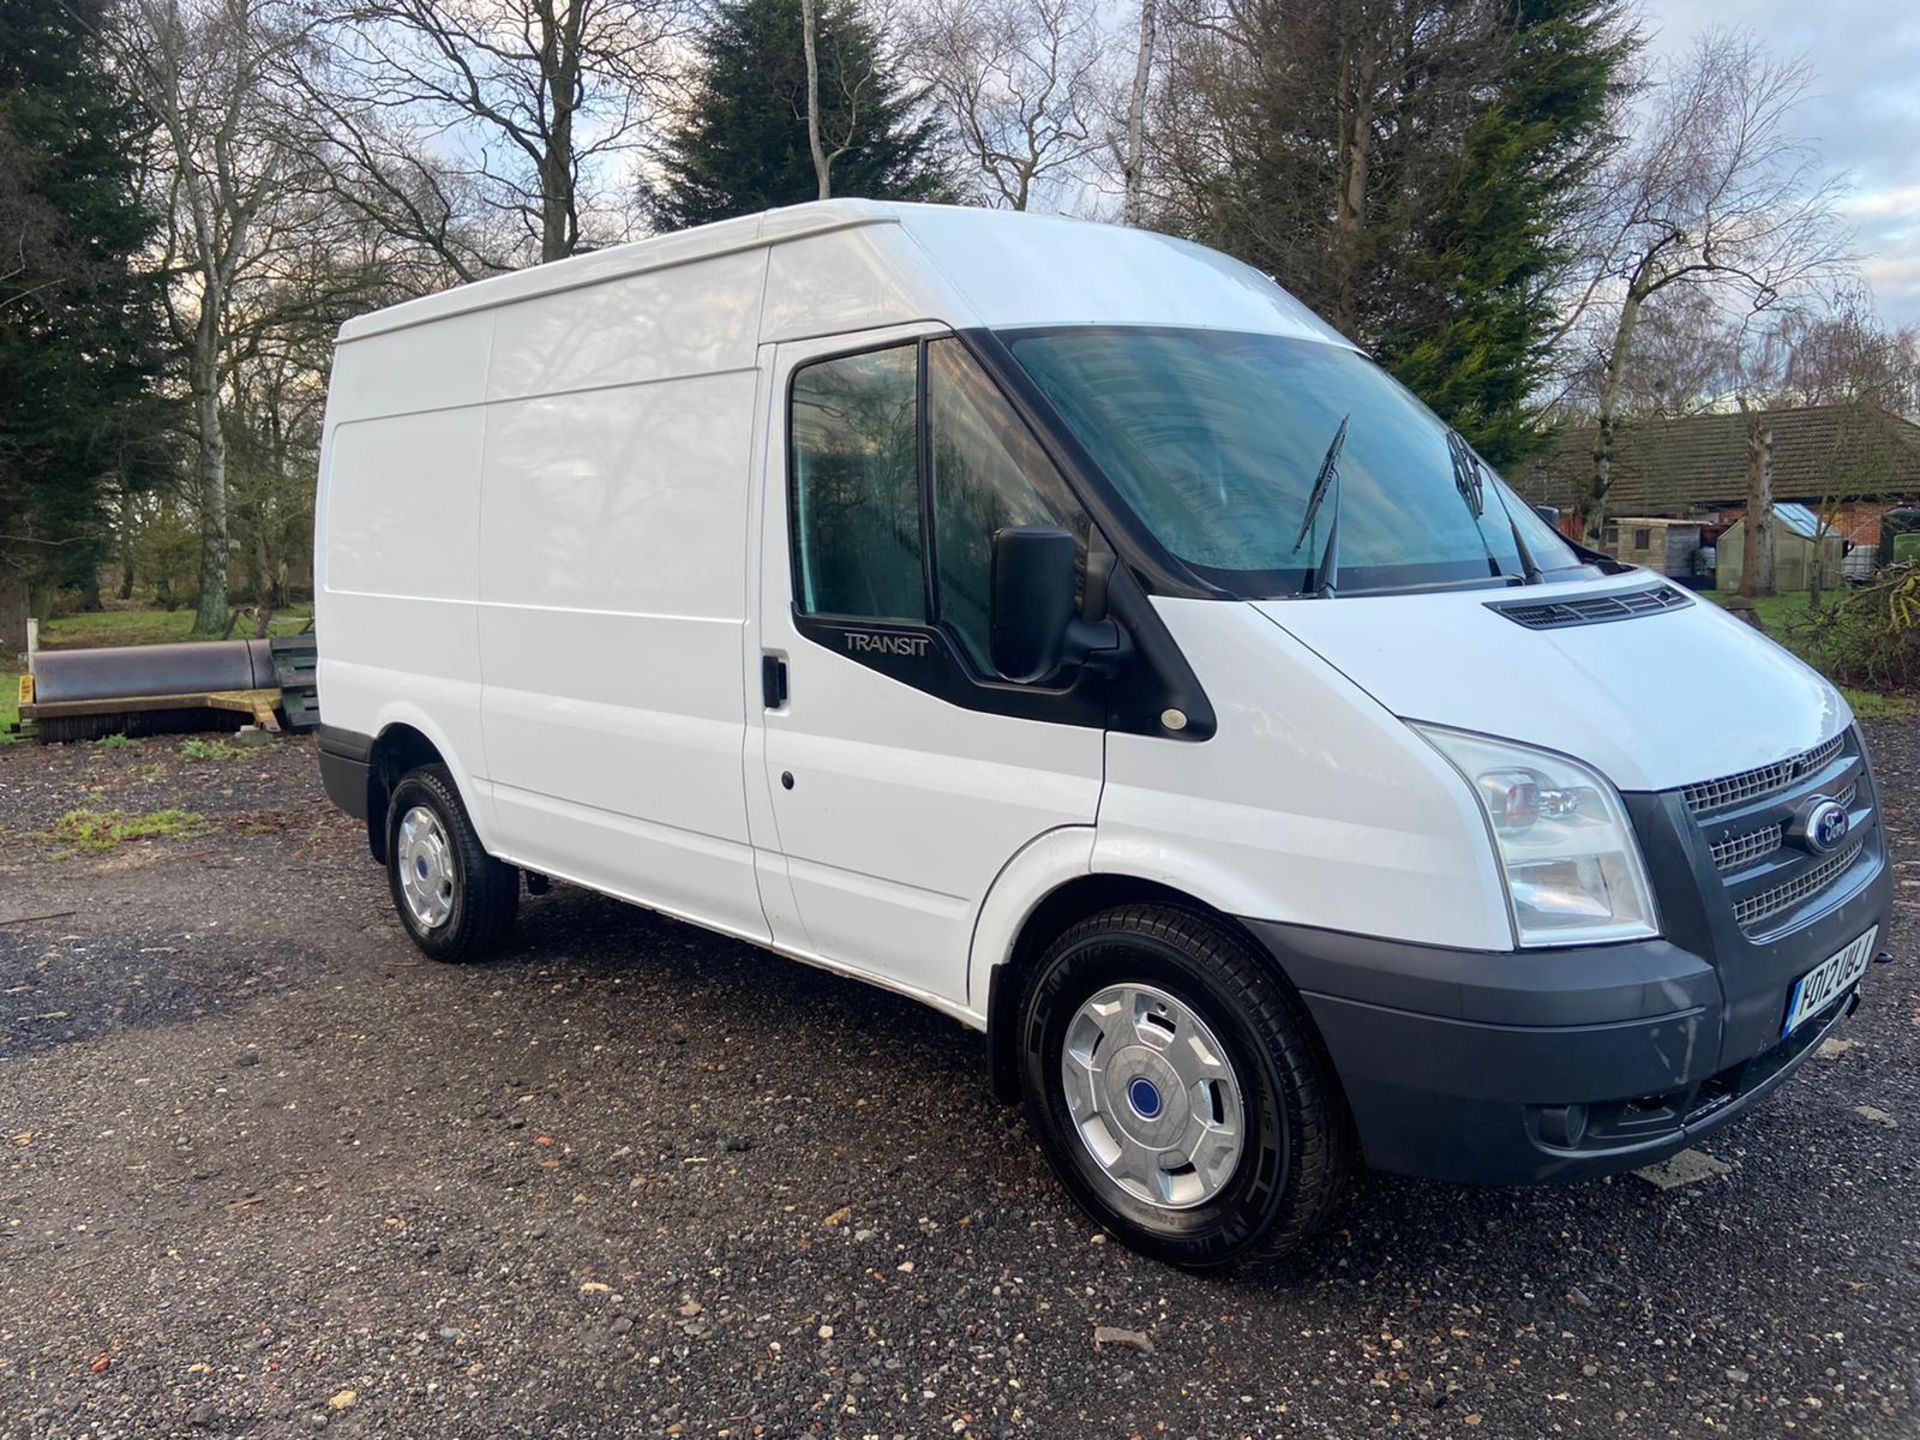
(773, 681)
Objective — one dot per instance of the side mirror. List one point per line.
(1549, 513)
(1032, 607)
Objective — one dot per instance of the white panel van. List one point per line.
(1058, 624)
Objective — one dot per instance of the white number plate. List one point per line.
(1829, 980)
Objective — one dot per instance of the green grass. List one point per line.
(151, 627)
(198, 749)
(98, 830)
(9, 702)
(1871, 705)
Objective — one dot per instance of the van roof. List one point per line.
(1010, 267)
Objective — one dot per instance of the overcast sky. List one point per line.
(1862, 115)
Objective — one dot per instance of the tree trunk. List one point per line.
(126, 543)
(807, 40)
(555, 180)
(211, 615)
(13, 610)
(262, 561)
(1134, 167)
(1357, 62)
(557, 235)
(1756, 550)
(1592, 507)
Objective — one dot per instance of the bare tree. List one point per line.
(1133, 163)
(1844, 361)
(385, 165)
(810, 37)
(211, 72)
(1020, 83)
(1844, 356)
(837, 123)
(1716, 192)
(519, 106)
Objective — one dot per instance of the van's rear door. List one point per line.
(899, 771)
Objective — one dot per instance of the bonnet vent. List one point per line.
(1592, 609)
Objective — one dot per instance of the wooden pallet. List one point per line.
(259, 704)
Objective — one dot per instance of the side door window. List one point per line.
(855, 501)
(906, 461)
(986, 473)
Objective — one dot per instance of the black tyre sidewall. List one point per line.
(433, 788)
(1233, 1222)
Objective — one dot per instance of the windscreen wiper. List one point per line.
(1327, 573)
(1470, 480)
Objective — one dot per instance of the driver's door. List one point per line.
(902, 772)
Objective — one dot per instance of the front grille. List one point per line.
(1738, 850)
(1592, 609)
(1760, 781)
(1751, 910)
(1734, 852)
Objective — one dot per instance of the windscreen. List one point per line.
(1215, 440)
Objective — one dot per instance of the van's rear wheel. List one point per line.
(1178, 1089)
(456, 901)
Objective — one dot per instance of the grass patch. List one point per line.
(103, 829)
(151, 627)
(1871, 705)
(114, 742)
(9, 703)
(198, 749)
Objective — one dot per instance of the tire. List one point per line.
(456, 901)
(1147, 979)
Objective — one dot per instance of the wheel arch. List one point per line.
(402, 744)
(1050, 916)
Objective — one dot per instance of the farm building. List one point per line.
(1796, 531)
(1849, 463)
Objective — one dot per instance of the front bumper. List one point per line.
(1518, 1067)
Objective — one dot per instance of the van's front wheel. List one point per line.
(1178, 1090)
(456, 901)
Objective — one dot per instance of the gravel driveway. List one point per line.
(267, 1172)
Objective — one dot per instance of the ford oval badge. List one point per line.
(1822, 825)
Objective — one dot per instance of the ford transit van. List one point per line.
(1058, 624)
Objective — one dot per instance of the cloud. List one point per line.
(1878, 204)
(1861, 116)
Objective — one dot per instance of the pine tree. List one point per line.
(1477, 345)
(743, 146)
(1402, 167)
(79, 320)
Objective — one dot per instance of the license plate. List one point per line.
(1828, 981)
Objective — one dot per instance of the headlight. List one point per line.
(1572, 867)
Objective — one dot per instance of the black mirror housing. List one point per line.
(1032, 606)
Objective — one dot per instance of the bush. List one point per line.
(166, 555)
(1870, 636)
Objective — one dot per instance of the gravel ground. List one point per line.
(266, 1172)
